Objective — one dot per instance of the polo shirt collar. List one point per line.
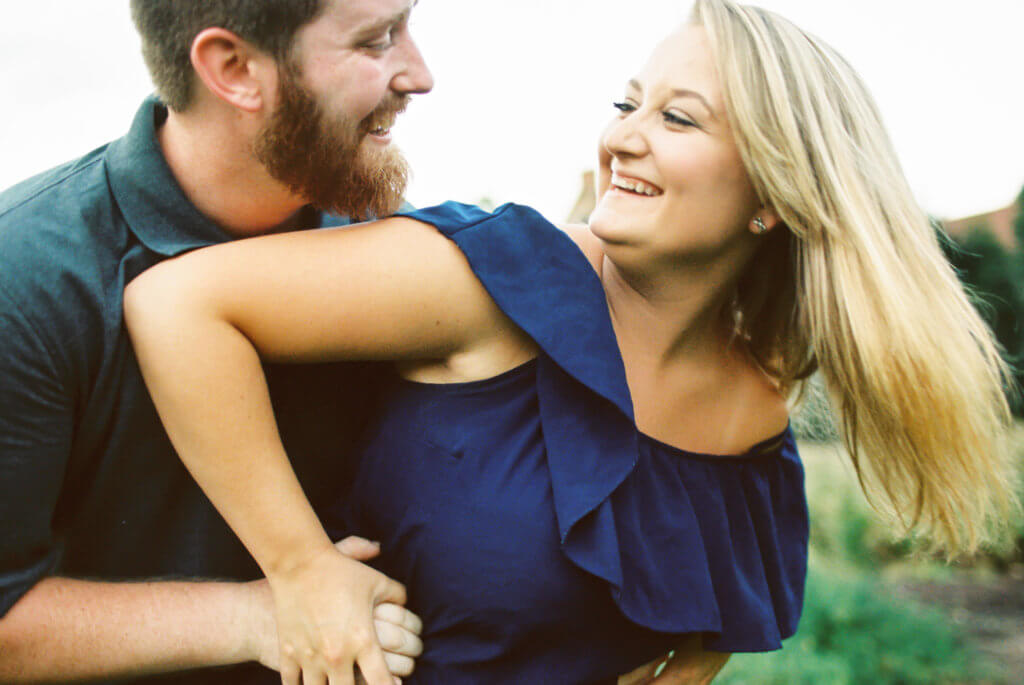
(153, 204)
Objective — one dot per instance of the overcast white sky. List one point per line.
(524, 87)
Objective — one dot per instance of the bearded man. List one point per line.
(113, 564)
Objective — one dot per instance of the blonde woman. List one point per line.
(584, 457)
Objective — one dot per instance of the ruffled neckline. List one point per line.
(711, 544)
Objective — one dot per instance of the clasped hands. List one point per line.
(333, 614)
(337, 596)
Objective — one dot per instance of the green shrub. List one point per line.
(844, 528)
(854, 633)
(813, 418)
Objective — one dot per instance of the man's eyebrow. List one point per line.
(374, 28)
(681, 93)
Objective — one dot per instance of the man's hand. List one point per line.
(397, 628)
(688, 664)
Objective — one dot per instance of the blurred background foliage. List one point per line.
(876, 611)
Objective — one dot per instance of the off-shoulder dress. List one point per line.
(543, 538)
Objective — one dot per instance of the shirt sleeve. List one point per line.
(36, 427)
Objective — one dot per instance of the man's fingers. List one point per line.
(399, 615)
(398, 640)
(355, 547)
(399, 665)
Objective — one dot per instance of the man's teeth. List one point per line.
(635, 186)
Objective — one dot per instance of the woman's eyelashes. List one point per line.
(673, 118)
(624, 107)
(676, 119)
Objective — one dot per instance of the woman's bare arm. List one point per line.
(396, 289)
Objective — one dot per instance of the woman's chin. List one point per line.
(608, 224)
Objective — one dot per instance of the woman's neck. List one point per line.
(667, 318)
(692, 384)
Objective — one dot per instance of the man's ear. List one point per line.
(233, 70)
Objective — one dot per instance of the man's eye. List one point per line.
(381, 45)
(624, 107)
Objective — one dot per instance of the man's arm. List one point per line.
(73, 629)
(66, 629)
(55, 628)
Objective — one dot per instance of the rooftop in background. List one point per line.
(998, 222)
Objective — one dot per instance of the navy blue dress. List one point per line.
(541, 537)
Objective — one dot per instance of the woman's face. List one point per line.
(671, 181)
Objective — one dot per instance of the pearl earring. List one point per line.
(759, 226)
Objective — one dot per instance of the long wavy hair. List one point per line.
(859, 287)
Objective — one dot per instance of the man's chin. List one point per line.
(374, 187)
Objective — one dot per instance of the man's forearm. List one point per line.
(67, 629)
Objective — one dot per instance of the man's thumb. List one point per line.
(360, 549)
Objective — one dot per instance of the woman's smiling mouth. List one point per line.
(634, 186)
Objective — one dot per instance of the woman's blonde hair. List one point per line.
(859, 286)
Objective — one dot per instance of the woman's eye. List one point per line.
(624, 107)
(676, 120)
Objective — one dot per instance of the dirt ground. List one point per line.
(990, 611)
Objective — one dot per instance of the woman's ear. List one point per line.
(233, 70)
(769, 216)
(764, 220)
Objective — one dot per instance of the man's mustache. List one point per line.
(385, 114)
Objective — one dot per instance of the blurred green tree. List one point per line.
(994, 277)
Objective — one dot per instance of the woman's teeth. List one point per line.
(635, 186)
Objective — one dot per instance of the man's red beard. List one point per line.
(323, 160)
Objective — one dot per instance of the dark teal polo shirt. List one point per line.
(89, 484)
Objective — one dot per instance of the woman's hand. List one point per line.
(688, 664)
(398, 629)
(325, 610)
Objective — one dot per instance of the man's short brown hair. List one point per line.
(168, 28)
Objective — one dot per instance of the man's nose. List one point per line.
(415, 76)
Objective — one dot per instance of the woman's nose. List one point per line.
(624, 136)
